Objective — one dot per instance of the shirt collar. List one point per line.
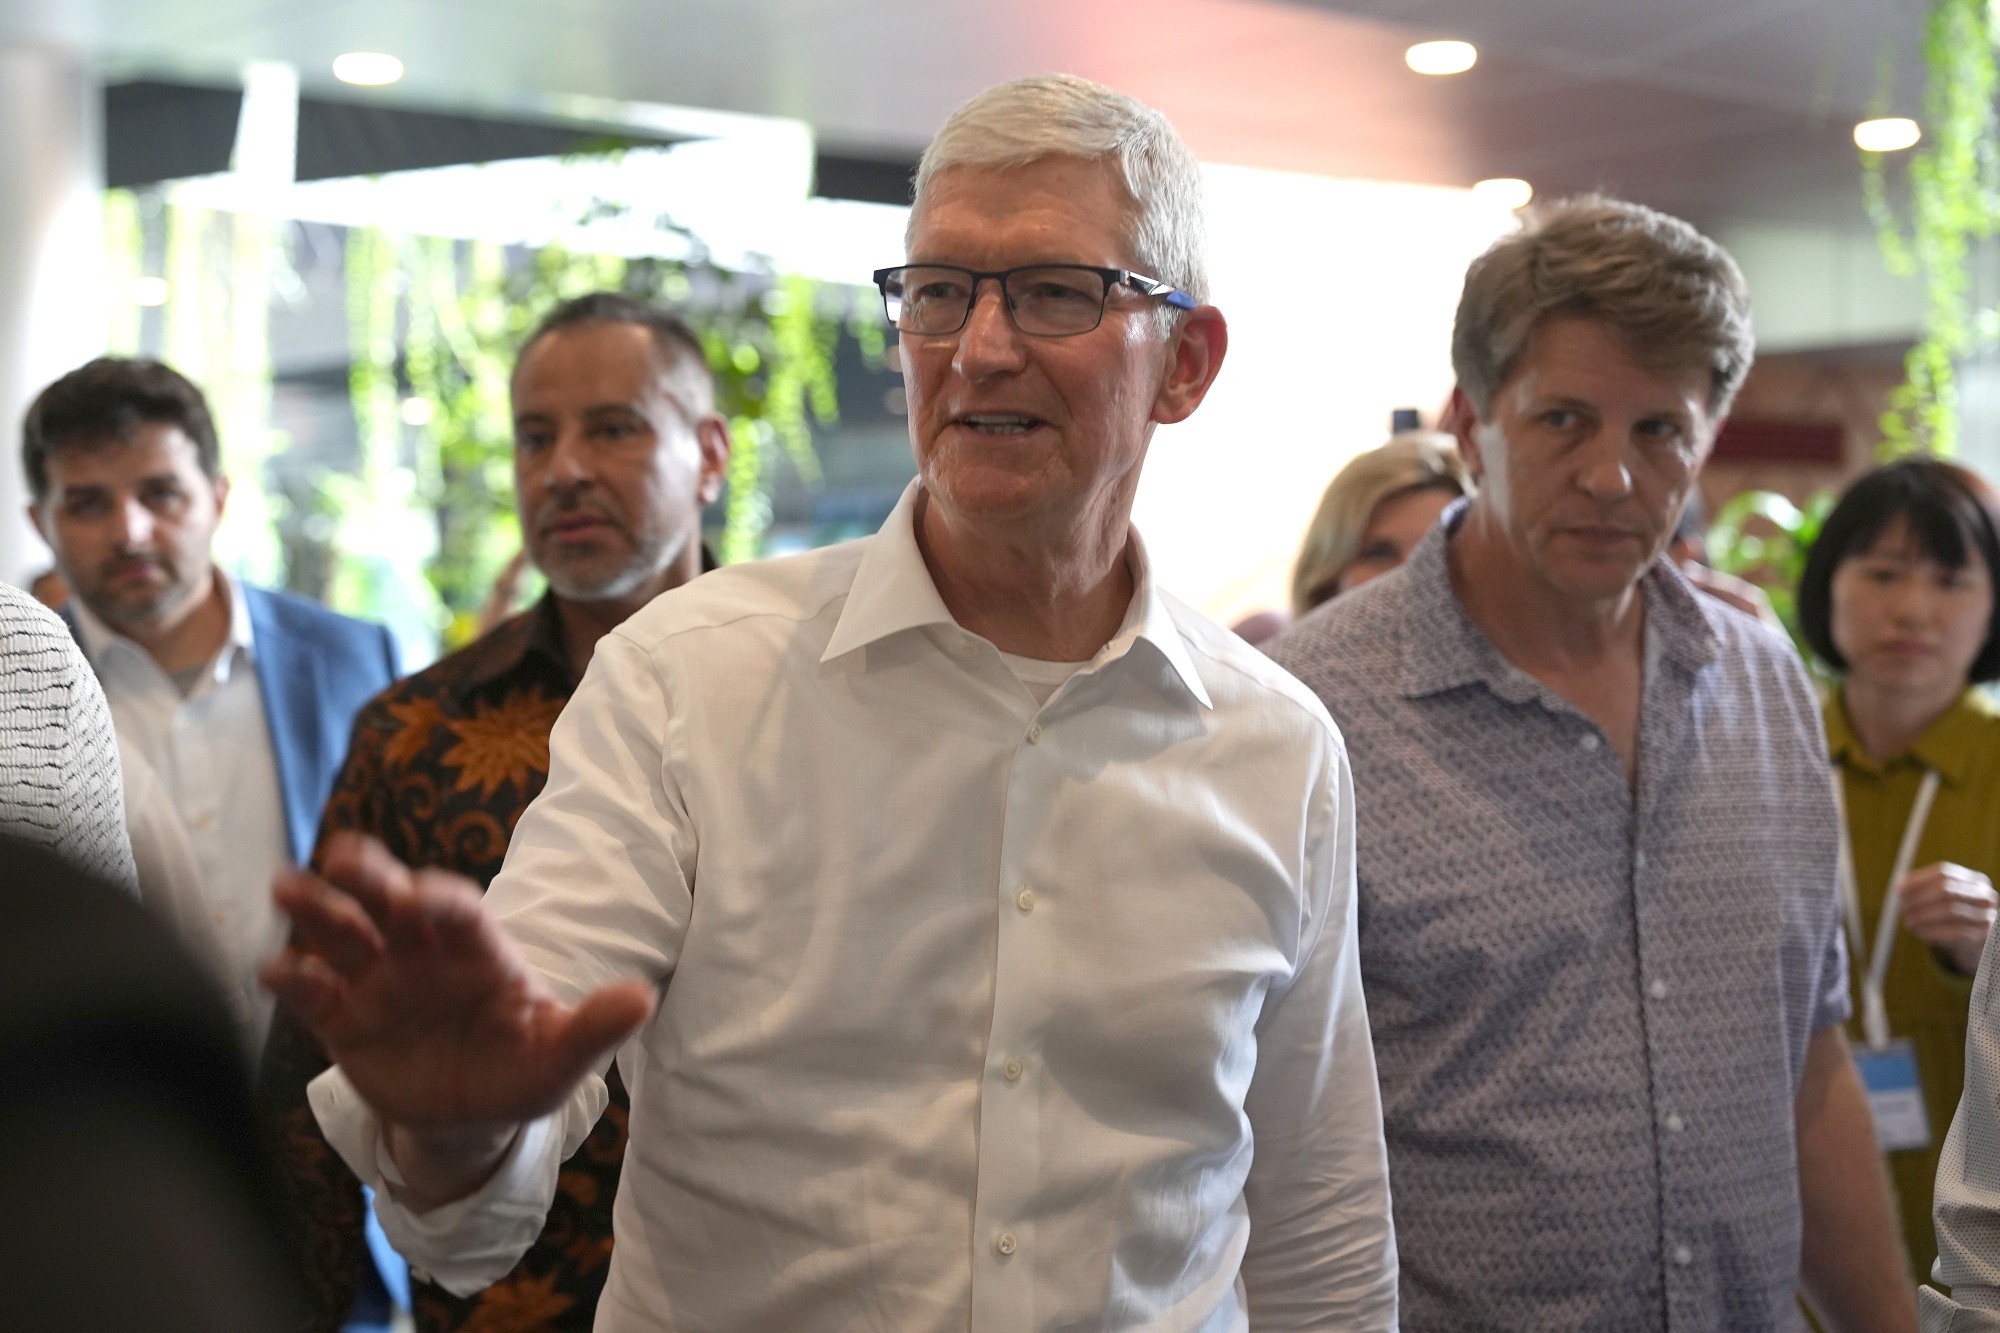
(1948, 745)
(893, 592)
(537, 630)
(1442, 648)
(98, 637)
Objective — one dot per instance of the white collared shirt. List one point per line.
(973, 1009)
(211, 752)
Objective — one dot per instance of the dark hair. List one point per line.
(109, 397)
(677, 343)
(1951, 515)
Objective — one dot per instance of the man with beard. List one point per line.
(236, 698)
(617, 448)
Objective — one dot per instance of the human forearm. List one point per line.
(1851, 1263)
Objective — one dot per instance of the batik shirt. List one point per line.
(441, 766)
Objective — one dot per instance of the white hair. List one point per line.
(1052, 115)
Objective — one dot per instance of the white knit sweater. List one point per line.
(60, 783)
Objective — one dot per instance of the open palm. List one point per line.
(424, 1002)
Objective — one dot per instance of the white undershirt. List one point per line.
(1042, 679)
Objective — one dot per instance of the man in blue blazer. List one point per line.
(238, 698)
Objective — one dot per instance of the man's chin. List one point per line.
(596, 584)
(134, 609)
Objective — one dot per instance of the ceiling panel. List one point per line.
(1723, 110)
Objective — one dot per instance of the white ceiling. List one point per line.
(1724, 110)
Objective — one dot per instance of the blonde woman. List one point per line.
(1375, 510)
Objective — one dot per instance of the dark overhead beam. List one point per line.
(156, 131)
(341, 138)
(873, 180)
(164, 131)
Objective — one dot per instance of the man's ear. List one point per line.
(41, 528)
(712, 434)
(219, 483)
(1461, 421)
(1199, 344)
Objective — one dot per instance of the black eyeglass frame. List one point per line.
(1113, 278)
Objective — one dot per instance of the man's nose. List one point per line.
(1605, 475)
(133, 524)
(989, 344)
(571, 462)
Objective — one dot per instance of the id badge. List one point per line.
(1895, 1098)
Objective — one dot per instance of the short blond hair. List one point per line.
(1675, 297)
(1415, 460)
(1060, 115)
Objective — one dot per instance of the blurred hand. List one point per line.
(432, 1012)
(1952, 909)
(505, 593)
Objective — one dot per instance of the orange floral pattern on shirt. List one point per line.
(503, 744)
(441, 766)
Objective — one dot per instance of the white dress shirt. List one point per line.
(972, 1009)
(171, 886)
(211, 752)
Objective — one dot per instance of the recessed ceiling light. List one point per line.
(1506, 191)
(370, 69)
(148, 291)
(1441, 57)
(1890, 134)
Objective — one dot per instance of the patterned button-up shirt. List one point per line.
(441, 766)
(1591, 1001)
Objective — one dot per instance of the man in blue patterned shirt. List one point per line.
(1600, 933)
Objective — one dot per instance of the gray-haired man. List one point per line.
(1600, 932)
(991, 912)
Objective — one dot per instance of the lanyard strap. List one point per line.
(1874, 1015)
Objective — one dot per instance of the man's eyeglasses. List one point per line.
(1045, 300)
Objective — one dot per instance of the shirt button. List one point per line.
(1683, 1256)
(1638, 860)
(1035, 734)
(1011, 1071)
(1005, 1244)
(1025, 900)
(204, 820)
(1589, 742)
(1657, 989)
(1675, 1124)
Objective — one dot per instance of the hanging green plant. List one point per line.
(1954, 201)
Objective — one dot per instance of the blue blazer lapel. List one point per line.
(288, 674)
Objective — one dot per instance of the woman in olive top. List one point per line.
(1898, 597)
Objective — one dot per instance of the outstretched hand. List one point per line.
(428, 1007)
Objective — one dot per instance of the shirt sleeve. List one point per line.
(1966, 1204)
(1322, 1250)
(468, 1245)
(1831, 1001)
(95, 835)
(595, 889)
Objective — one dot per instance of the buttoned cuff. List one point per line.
(467, 1245)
